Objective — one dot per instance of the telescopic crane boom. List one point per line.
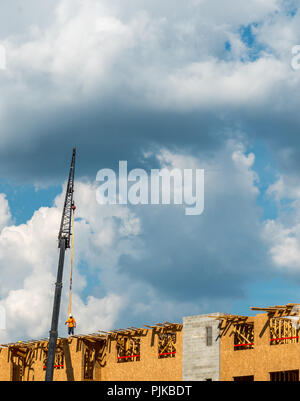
(63, 243)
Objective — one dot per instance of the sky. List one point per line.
(186, 85)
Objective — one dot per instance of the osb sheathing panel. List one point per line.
(262, 359)
(35, 371)
(150, 367)
(72, 370)
(5, 368)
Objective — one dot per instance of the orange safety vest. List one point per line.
(71, 322)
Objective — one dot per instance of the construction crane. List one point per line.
(63, 243)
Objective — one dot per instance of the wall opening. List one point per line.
(243, 379)
(285, 376)
(283, 332)
(208, 336)
(243, 336)
(166, 345)
(128, 349)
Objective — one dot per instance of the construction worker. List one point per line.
(71, 325)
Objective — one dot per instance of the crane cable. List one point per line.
(71, 273)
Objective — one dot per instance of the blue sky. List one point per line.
(24, 200)
(156, 84)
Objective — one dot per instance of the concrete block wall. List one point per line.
(200, 362)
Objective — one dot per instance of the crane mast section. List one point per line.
(66, 220)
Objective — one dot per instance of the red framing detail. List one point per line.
(129, 356)
(283, 338)
(168, 353)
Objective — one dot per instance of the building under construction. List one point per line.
(214, 347)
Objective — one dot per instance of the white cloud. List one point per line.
(91, 52)
(113, 61)
(5, 215)
(29, 257)
(283, 233)
(96, 47)
(285, 187)
(280, 34)
(103, 287)
(97, 314)
(284, 244)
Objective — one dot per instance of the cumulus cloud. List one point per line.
(285, 244)
(191, 85)
(29, 257)
(189, 261)
(193, 74)
(5, 215)
(283, 233)
(93, 48)
(153, 261)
